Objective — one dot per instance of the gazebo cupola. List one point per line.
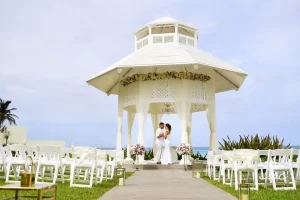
(165, 30)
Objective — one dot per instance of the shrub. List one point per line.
(254, 142)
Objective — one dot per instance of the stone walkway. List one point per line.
(166, 185)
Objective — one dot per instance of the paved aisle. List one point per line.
(166, 185)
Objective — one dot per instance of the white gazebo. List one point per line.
(167, 73)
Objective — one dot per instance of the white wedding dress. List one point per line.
(167, 156)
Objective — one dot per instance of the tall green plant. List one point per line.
(6, 114)
(254, 142)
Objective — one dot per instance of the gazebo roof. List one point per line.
(156, 56)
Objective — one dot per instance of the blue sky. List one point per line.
(48, 49)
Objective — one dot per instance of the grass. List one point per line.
(262, 193)
(65, 192)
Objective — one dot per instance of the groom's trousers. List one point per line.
(159, 148)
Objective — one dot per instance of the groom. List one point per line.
(159, 141)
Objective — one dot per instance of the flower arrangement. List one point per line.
(184, 149)
(137, 149)
(151, 76)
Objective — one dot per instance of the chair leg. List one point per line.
(37, 173)
(236, 179)
(72, 172)
(272, 175)
(7, 172)
(55, 174)
(231, 177)
(224, 176)
(43, 173)
(15, 172)
(91, 177)
(293, 178)
(255, 178)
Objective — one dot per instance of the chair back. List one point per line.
(19, 150)
(33, 151)
(111, 155)
(284, 156)
(49, 152)
(101, 157)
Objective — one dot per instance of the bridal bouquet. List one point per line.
(184, 149)
(137, 149)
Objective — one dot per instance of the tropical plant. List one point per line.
(254, 142)
(6, 114)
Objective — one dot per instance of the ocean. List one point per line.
(201, 150)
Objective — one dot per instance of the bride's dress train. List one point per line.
(167, 156)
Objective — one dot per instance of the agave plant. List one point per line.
(254, 142)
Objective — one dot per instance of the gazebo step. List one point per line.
(156, 167)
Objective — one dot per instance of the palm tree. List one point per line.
(6, 115)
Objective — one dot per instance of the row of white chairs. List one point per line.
(275, 167)
(79, 165)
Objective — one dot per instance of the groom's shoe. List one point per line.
(158, 163)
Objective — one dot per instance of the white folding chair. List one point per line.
(86, 163)
(216, 164)
(280, 162)
(245, 160)
(49, 160)
(16, 155)
(111, 163)
(226, 165)
(65, 162)
(209, 163)
(101, 162)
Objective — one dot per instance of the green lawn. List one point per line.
(65, 192)
(262, 194)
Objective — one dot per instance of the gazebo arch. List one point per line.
(167, 73)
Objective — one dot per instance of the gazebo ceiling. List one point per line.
(165, 57)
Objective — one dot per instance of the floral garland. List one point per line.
(151, 76)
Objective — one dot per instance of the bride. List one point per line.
(167, 156)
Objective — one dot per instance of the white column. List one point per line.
(130, 120)
(156, 119)
(119, 134)
(141, 137)
(184, 131)
(189, 129)
(211, 118)
(211, 112)
(144, 92)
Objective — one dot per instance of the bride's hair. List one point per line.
(169, 127)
